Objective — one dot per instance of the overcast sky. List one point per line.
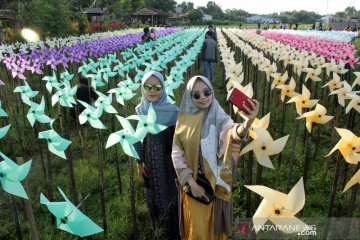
(270, 6)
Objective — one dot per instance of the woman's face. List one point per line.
(201, 95)
(153, 89)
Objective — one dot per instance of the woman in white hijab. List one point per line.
(206, 143)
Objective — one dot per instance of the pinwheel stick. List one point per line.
(101, 177)
(118, 175)
(249, 182)
(292, 155)
(307, 159)
(15, 216)
(36, 131)
(29, 210)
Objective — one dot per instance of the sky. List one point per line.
(269, 6)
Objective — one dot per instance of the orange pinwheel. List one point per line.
(342, 93)
(315, 116)
(349, 146)
(354, 103)
(279, 79)
(354, 180)
(303, 100)
(334, 83)
(259, 123)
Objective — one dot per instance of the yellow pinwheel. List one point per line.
(279, 79)
(357, 79)
(354, 103)
(264, 146)
(259, 123)
(303, 100)
(313, 74)
(280, 208)
(288, 90)
(349, 146)
(342, 93)
(354, 180)
(334, 83)
(316, 116)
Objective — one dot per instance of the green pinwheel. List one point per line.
(4, 130)
(122, 93)
(112, 58)
(103, 62)
(84, 69)
(147, 123)
(127, 137)
(139, 74)
(96, 80)
(2, 111)
(105, 102)
(51, 82)
(26, 92)
(56, 144)
(120, 68)
(127, 54)
(65, 95)
(37, 112)
(129, 84)
(91, 115)
(107, 73)
(69, 218)
(66, 76)
(11, 174)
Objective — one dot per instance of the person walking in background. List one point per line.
(152, 34)
(146, 36)
(212, 29)
(155, 166)
(206, 145)
(209, 55)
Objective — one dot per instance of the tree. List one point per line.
(214, 10)
(164, 5)
(350, 11)
(186, 6)
(195, 16)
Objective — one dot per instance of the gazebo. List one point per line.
(148, 14)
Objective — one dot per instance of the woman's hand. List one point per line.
(197, 190)
(141, 171)
(252, 113)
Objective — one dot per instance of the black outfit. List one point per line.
(161, 191)
(83, 94)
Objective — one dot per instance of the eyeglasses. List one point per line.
(156, 87)
(196, 95)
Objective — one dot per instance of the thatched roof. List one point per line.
(149, 11)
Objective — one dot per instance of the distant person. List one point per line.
(209, 55)
(313, 26)
(274, 26)
(146, 36)
(296, 26)
(320, 26)
(152, 34)
(347, 28)
(354, 29)
(212, 29)
(85, 93)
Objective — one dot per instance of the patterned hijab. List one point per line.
(198, 132)
(166, 112)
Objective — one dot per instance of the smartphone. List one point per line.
(238, 98)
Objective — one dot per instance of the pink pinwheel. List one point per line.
(2, 83)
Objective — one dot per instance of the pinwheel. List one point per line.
(354, 103)
(127, 137)
(122, 94)
(147, 123)
(334, 83)
(56, 144)
(92, 115)
(349, 146)
(259, 123)
(316, 116)
(69, 218)
(112, 58)
(2, 111)
(2, 83)
(105, 102)
(354, 180)
(288, 90)
(66, 76)
(313, 74)
(11, 174)
(37, 113)
(279, 79)
(355, 82)
(4, 130)
(342, 93)
(26, 92)
(120, 68)
(107, 73)
(264, 146)
(303, 100)
(84, 69)
(96, 80)
(65, 95)
(129, 84)
(280, 208)
(51, 82)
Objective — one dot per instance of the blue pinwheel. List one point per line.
(2, 111)
(51, 82)
(37, 112)
(69, 218)
(11, 174)
(25, 91)
(91, 115)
